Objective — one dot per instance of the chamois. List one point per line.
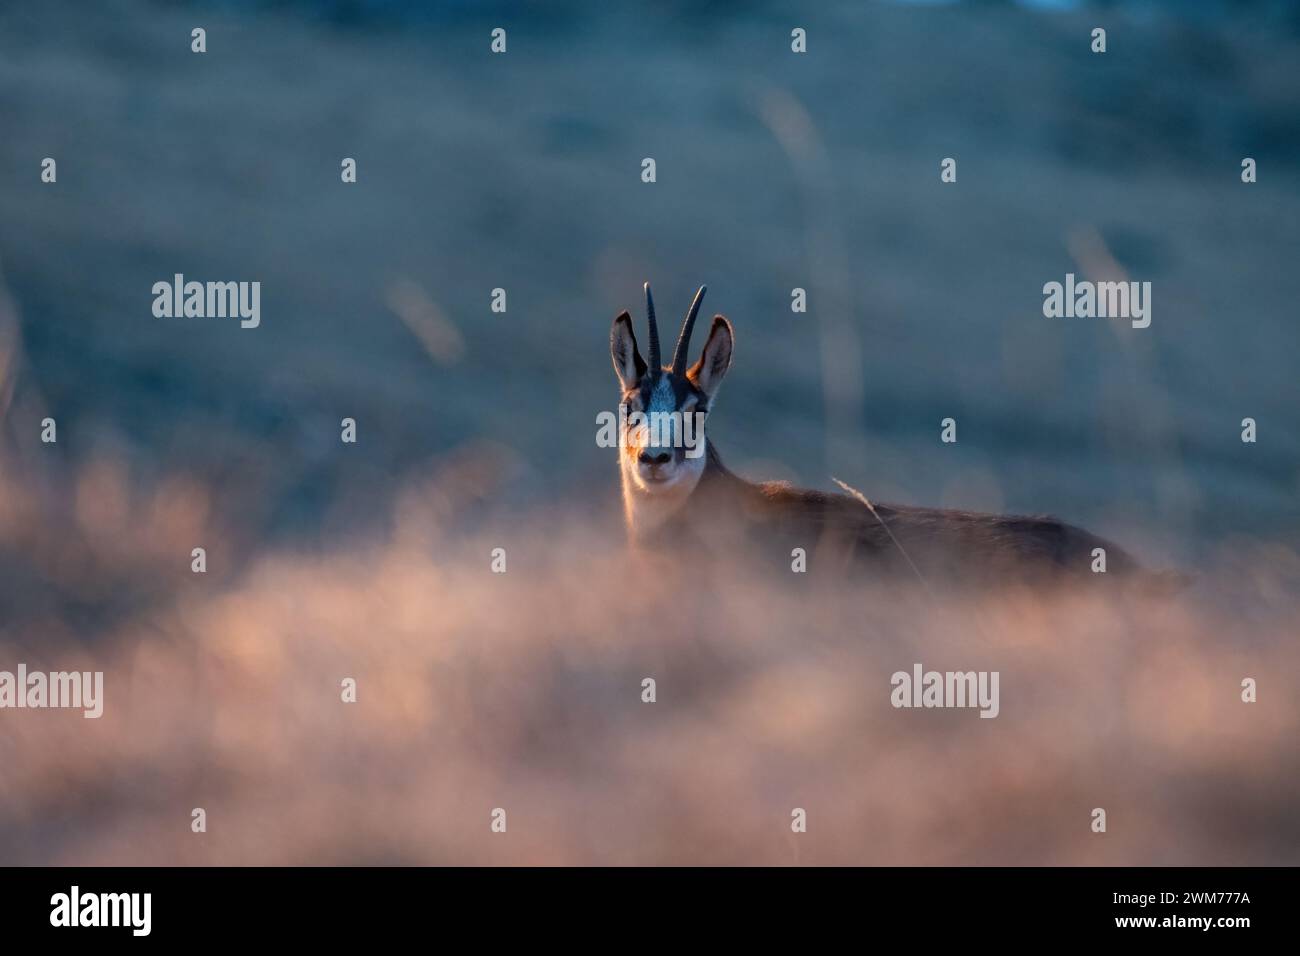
(679, 496)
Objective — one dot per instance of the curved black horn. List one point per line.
(655, 363)
(680, 354)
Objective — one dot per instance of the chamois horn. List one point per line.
(655, 363)
(680, 355)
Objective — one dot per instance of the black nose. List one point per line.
(650, 458)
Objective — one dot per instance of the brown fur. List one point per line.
(727, 515)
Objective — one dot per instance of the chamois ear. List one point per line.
(629, 366)
(714, 361)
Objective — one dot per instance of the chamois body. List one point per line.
(685, 500)
(724, 515)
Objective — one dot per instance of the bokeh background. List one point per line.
(476, 429)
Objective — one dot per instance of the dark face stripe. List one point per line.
(686, 399)
(682, 390)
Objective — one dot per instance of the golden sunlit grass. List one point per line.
(522, 691)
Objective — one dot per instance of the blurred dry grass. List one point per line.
(522, 690)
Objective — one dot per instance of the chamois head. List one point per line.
(667, 456)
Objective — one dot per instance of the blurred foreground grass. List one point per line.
(522, 691)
